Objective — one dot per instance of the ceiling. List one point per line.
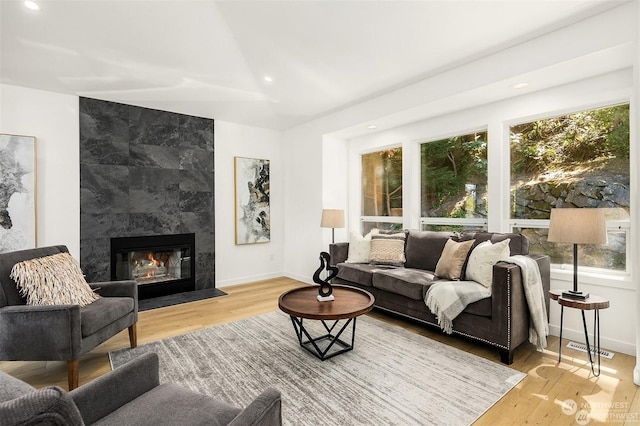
(209, 58)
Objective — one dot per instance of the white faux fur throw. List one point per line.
(52, 280)
(446, 299)
(533, 292)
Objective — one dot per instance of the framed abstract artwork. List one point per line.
(252, 203)
(17, 192)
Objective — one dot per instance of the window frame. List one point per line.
(563, 272)
(452, 221)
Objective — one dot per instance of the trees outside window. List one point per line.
(382, 189)
(454, 182)
(576, 160)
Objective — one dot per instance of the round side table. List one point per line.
(591, 303)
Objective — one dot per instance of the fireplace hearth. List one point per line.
(160, 264)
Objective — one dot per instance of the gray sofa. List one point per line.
(501, 321)
(129, 395)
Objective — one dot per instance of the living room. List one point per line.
(315, 164)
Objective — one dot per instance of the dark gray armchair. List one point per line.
(61, 332)
(129, 395)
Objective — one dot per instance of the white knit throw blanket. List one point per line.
(532, 283)
(446, 299)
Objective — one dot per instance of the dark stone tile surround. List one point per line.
(144, 172)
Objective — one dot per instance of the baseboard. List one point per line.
(606, 343)
(248, 279)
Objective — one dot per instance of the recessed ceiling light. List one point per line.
(268, 79)
(373, 126)
(32, 5)
(520, 85)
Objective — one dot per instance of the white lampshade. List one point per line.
(577, 226)
(332, 218)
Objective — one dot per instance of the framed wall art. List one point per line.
(17, 192)
(252, 202)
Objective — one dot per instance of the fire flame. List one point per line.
(153, 261)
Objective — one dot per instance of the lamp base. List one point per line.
(577, 295)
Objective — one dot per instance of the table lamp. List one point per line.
(577, 226)
(332, 218)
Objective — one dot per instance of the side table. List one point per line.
(591, 303)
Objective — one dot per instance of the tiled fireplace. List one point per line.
(146, 173)
(160, 264)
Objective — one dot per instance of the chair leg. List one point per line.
(73, 368)
(133, 335)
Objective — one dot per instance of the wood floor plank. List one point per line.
(537, 399)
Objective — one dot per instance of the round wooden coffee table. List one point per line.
(302, 303)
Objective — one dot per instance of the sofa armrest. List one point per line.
(265, 410)
(338, 252)
(111, 391)
(36, 332)
(508, 301)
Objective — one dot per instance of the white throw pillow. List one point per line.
(482, 259)
(359, 248)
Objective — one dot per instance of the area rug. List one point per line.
(391, 377)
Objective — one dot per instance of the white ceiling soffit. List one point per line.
(209, 58)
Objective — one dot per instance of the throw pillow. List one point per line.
(482, 259)
(452, 259)
(387, 249)
(359, 248)
(52, 280)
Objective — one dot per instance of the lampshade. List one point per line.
(577, 226)
(332, 218)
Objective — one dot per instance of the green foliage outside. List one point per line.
(447, 166)
(567, 140)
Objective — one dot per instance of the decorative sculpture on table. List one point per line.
(325, 290)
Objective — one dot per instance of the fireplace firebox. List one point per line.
(160, 264)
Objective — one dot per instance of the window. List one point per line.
(454, 183)
(382, 190)
(576, 160)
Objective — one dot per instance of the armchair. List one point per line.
(130, 394)
(61, 332)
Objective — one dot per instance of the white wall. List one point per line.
(53, 119)
(251, 262)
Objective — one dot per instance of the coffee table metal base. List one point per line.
(327, 345)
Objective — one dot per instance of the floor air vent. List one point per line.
(583, 348)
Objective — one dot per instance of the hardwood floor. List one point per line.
(610, 398)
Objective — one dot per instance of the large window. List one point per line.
(382, 190)
(577, 160)
(454, 183)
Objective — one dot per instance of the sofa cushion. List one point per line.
(359, 248)
(425, 247)
(103, 312)
(482, 259)
(411, 283)
(53, 280)
(356, 272)
(171, 404)
(388, 249)
(452, 259)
